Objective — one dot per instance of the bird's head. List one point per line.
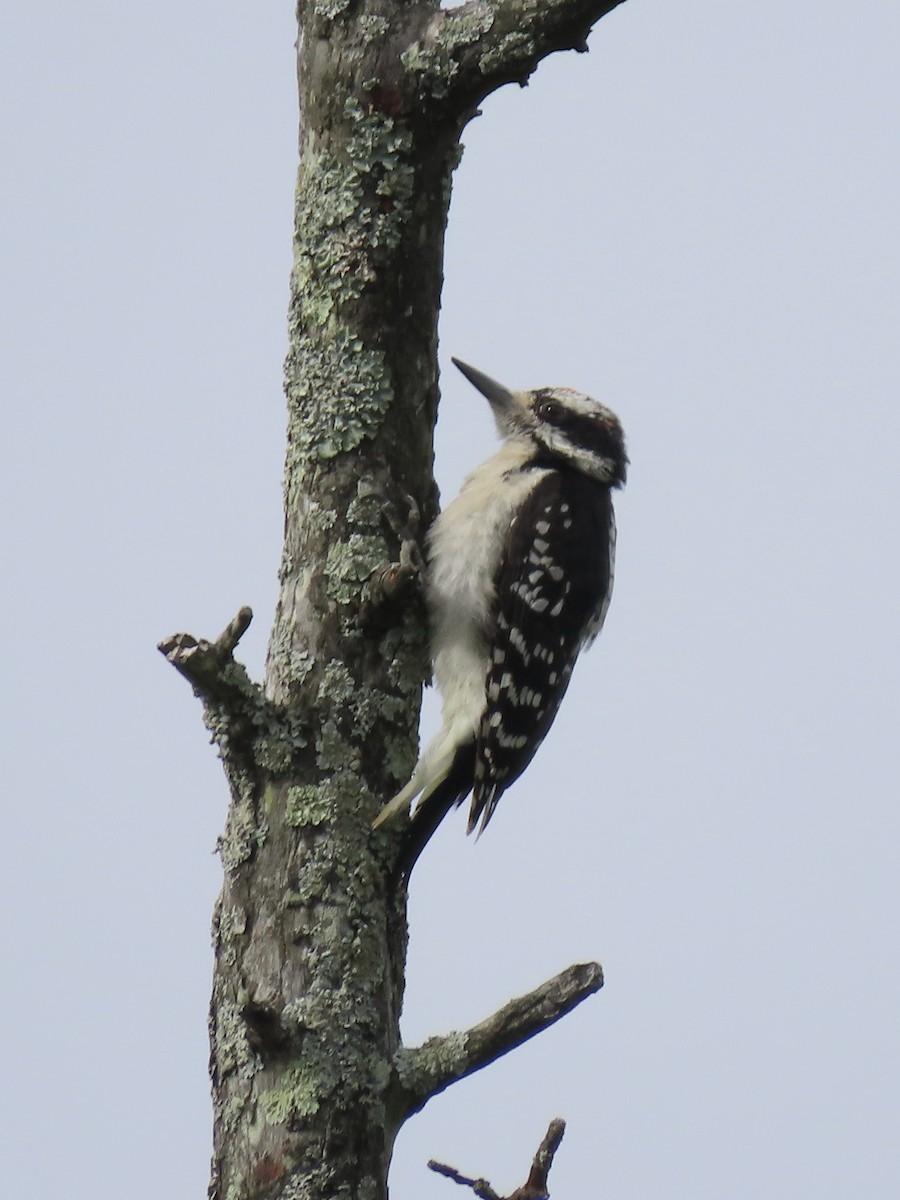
(566, 425)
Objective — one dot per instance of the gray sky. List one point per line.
(697, 223)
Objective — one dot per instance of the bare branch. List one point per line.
(536, 1184)
(535, 1188)
(426, 1070)
(234, 707)
(209, 666)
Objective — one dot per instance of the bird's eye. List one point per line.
(548, 409)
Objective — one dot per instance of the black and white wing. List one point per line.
(552, 591)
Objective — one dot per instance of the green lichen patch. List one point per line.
(274, 754)
(435, 61)
(240, 838)
(328, 1071)
(372, 27)
(357, 705)
(330, 261)
(517, 45)
(307, 805)
(340, 391)
(337, 686)
(352, 201)
(297, 1095)
(280, 737)
(367, 508)
(463, 26)
(306, 1014)
(330, 9)
(233, 1051)
(232, 921)
(229, 925)
(333, 750)
(349, 564)
(437, 1058)
(380, 150)
(311, 878)
(368, 1188)
(319, 804)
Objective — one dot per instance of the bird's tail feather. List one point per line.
(400, 802)
(484, 801)
(435, 764)
(434, 806)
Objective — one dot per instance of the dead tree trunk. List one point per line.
(310, 1081)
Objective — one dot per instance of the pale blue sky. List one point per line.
(696, 222)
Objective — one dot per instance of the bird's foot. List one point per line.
(392, 584)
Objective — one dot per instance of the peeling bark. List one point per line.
(310, 1082)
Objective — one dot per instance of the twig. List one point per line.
(480, 1187)
(535, 1188)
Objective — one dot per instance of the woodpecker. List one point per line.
(518, 582)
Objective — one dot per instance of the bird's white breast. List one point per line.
(465, 545)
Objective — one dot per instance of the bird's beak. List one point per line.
(506, 405)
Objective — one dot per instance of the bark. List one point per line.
(310, 1082)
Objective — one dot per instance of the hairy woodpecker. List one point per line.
(520, 572)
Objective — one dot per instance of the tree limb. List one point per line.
(468, 52)
(535, 1187)
(247, 728)
(426, 1070)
